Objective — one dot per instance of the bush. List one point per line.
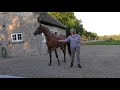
(109, 39)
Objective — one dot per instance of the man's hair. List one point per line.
(73, 30)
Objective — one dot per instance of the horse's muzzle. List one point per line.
(34, 34)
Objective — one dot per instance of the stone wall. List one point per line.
(13, 22)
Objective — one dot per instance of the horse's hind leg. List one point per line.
(49, 50)
(57, 57)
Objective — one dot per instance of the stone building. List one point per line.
(16, 32)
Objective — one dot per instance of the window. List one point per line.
(16, 37)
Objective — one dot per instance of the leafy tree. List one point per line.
(69, 19)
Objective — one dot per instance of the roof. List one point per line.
(44, 18)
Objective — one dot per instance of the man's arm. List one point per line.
(66, 40)
(79, 39)
(61, 40)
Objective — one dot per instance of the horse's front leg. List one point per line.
(49, 50)
(57, 56)
(64, 52)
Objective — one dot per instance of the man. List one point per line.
(75, 41)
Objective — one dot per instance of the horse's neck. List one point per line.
(48, 34)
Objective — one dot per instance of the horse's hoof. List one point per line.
(49, 64)
(64, 61)
(79, 66)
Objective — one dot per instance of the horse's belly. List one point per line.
(54, 44)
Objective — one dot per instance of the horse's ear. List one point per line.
(39, 19)
(40, 24)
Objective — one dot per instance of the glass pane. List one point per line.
(19, 36)
(14, 37)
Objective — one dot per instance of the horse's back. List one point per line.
(61, 37)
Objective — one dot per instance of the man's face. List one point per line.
(72, 32)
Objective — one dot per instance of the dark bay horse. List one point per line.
(52, 42)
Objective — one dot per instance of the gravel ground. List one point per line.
(97, 62)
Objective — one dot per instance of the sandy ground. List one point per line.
(97, 62)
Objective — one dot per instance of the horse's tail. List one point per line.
(68, 46)
(68, 43)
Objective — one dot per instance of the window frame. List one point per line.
(17, 40)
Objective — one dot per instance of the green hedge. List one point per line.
(108, 42)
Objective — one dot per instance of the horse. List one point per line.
(52, 42)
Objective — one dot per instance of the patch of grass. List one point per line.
(116, 42)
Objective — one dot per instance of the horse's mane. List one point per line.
(46, 29)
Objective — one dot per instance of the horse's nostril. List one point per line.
(34, 33)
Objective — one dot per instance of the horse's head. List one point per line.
(38, 30)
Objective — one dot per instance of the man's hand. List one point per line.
(61, 41)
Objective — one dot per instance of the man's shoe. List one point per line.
(71, 65)
(79, 66)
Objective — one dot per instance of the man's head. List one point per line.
(73, 31)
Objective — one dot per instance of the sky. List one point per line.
(102, 23)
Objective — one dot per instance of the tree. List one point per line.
(69, 20)
(93, 35)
